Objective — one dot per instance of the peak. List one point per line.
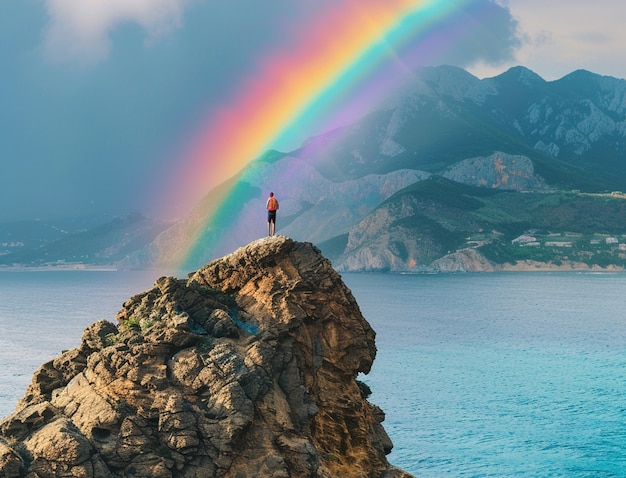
(445, 80)
(522, 75)
(582, 74)
(586, 74)
(582, 78)
(442, 75)
(245, 368)
(583, 84)
(449, 70)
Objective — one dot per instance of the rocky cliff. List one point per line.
(245, 369)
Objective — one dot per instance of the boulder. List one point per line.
(247, 368)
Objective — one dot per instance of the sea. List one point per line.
(512, 374)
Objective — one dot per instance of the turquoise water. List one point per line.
(480, 375)
(498, 375)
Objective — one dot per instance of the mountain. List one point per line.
(441, 225)
(77, 242)
(531, 141)
(246, 369)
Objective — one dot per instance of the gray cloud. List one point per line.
(80, 30)
(97, 138)
(486, 32)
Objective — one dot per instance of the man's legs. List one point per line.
(271, 223)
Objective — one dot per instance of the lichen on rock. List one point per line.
(247, 368)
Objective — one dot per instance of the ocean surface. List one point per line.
(480, 375)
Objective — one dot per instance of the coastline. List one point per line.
(65, 267)
(565, 266)
(519, 266)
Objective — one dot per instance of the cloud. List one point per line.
(564, 35)
(79, 30)
(489, 35)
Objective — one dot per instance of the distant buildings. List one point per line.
(531, 240)
(525, 240)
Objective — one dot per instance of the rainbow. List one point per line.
(352, 51)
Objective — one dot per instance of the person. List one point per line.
(272, 207)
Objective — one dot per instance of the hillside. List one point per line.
(83, 242)
(421, 227)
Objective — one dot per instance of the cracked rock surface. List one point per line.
(247, 368)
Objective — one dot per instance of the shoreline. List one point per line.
(568, 266)
(520, 266)
(66, 267)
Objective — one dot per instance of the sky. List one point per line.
(117, 106)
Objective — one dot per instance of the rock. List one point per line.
(498, 171)
(464, 260)
(11, 462)
(245, 369)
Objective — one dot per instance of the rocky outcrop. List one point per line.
(246, 369)
(499, 170)
(464, 260)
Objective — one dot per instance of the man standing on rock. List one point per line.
(272, 207)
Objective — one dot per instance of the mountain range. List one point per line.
(101, 241)
(445, 175)
(448, 174)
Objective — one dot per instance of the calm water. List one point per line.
(500, 374)
(479, 374)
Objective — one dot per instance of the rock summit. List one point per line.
(247, 368)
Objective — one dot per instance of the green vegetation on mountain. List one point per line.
(566, 225)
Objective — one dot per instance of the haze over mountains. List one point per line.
(449, 163)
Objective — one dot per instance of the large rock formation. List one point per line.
(246, 369)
